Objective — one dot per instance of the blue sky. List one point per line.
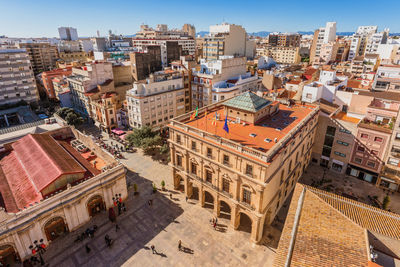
(37, 18)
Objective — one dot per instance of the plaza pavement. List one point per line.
(162, 225)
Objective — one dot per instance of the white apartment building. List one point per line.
(86, 78)
(326, 88)
(366, 41)
(221, 79)
(323, 36)
(157, 100)
(375, 40)
(229, 40)
(387, 78)
(68, 33)
(16, 77)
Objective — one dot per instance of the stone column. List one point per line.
(189, 187)
(257, 229)
(217, 206)
(175, 179)
(201, 195)
(235, 219)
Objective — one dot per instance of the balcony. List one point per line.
(377, 126)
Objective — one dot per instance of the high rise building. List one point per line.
(242, 156)
(43, 56)
(189, 30)
(68, 33)
(16, 77)
(227, 40)
(322, 36)
(146, 62)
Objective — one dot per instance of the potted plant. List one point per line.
(154, 188)
(135, 192)
(163, 185)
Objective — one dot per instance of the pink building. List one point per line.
(372, 139)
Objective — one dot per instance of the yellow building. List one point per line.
(281, 54)
(80, 56)
(249, 171)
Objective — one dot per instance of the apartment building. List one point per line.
(53, 187)
(43, 56)
(387, 78)
(229, 40)
(189, 29)
(48, 76)
(334, 51)
(322, 36)
(284, 39)
(246, 171)
(68, 33)
(158, 99)
(16, 77)
(86, 78)
(171, 49)
(221, 79)
(281, 54)
(146, 62)
(372, 140)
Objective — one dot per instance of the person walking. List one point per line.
(170, 195)
(116, 227)
(153, 249)
(215, 226)
(179, 245)
(87, 248)
(186, 198)
(216, 220)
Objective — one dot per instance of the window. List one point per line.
(194, 168)
(225, 185)
(194, 146)
(282, 174)
(209, 152)
(393, 161)
(378, 139)
(371, 164)
(337, 167)
(345, 131)
(209, 176)
(246, 196)
(364, 136)
(360, 149)
(226, 160)
(340, 154)
(179, 160)
(342, 143)
(358, 160)
(397, 136)
(249, 170)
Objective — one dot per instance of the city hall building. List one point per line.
(242, 157)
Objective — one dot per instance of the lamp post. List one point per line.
(38, 247)
(117, 200)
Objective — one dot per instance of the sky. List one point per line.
(41, 18)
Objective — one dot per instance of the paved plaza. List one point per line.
(163, 224)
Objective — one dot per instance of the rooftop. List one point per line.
(247, 101)
(324, 229)
(259, 136)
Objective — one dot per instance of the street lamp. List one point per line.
(38, 247)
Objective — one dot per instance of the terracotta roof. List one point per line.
(353, 83)
(368, 217)
(316, 234)
(36, 161)
(286, 119)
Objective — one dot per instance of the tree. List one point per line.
(150, 143)
(164, 149)
(385, 203)
(74, 119)
(136, 138)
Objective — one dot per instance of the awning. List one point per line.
(118, 131)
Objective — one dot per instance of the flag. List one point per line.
(214, 122)
(194, 115)
(226, 128)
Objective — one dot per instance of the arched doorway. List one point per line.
(181, 183)
(8, 256)
(224, 210)
(245, 223)
(95, 205)
(55, 228)
(208, 200)
(195, 192)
